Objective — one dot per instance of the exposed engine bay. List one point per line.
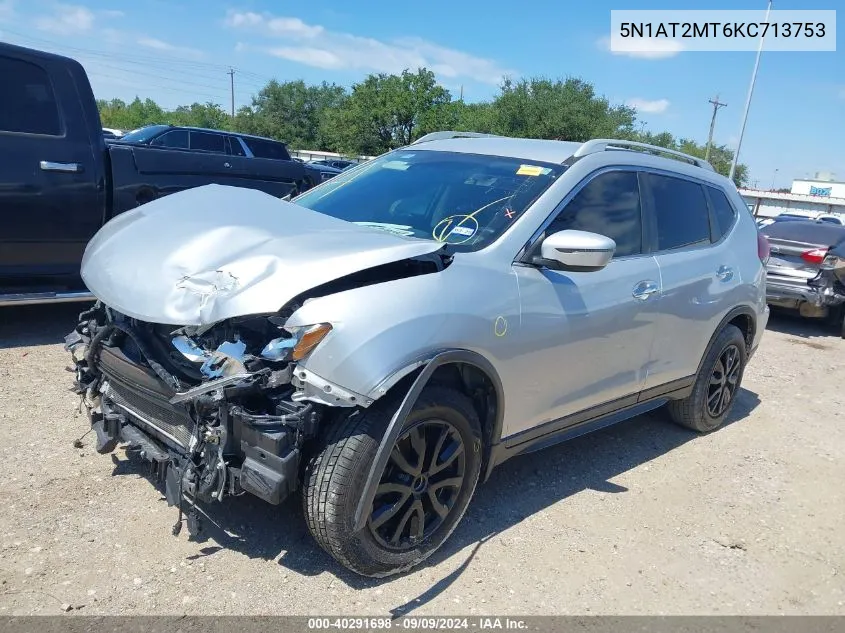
(213, 408)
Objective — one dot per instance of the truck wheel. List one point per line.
(716, 385)
(423, 491)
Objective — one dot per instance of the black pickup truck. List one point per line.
(60, 181)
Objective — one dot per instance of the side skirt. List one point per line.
(587, 421)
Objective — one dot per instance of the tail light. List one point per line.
(814, 256)
(762, 248)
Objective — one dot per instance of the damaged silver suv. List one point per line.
(386, 339)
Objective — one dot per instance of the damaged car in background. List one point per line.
(383, 341)
(806, 269)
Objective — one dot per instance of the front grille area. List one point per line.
(163, 418)
(138, 392)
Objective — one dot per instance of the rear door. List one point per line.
(699, 271)
(52, 189)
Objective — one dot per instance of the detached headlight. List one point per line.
(303, 340)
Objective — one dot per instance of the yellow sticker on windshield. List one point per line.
(529, 170)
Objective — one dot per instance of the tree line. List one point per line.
(386, 111)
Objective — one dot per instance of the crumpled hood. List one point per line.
(215, 252)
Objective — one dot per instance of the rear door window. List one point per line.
(28, 103)
(680, 212)
(208, 142)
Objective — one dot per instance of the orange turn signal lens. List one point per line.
(310, 339)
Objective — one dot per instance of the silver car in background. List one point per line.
(385, 340)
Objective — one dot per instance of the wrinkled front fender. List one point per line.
(381, 333)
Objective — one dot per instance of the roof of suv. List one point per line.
(564, 151)
(527, 148)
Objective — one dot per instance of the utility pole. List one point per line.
(232, 88)
(748, 99)
(716, 106)
(462, 92)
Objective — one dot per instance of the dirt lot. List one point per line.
(643, 518)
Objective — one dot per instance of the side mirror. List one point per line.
(578, 251)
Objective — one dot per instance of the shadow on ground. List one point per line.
(518, 489)
(22, 326)
(790, 322)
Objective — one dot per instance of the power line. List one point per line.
(96, 73)
(716, 106)
(195, 68)
(158, 76)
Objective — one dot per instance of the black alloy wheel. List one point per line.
(716, 384)
(420, 485)
(422, 494)
(723, 381)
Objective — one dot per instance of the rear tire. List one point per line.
(441, 421)
(716, 386)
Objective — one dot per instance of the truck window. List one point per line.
(261, 148)
(207, 142)
(176, 138)
(236, 148)
(28, 102)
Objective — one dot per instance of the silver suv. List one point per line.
(385, 340)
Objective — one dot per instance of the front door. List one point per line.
(588, 335)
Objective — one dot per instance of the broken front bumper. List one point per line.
(204, 445)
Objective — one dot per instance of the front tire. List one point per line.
(716, 386)
(422, 494)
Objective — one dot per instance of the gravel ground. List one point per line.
(642, 518)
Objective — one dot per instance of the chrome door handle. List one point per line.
(68, 168)
(226, 165)
(725, 273)
(645, 289)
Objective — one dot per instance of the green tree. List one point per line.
(384, 111)
(388, 111)
(209, 115)
(118, 114)
(293, 112)
(567, 110)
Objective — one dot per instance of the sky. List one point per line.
(181, 53)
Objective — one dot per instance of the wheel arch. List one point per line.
(471, 373)
(742, 317)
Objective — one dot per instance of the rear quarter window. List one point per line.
(266, 149)
(27, 104)
(724, 213)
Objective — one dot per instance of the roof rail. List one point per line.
(439, 136)
(604, 144)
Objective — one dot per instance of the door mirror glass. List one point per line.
(578, 251)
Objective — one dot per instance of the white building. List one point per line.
(819, 188)
(821, 195)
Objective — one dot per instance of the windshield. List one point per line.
(144, 134)
(466, 200)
